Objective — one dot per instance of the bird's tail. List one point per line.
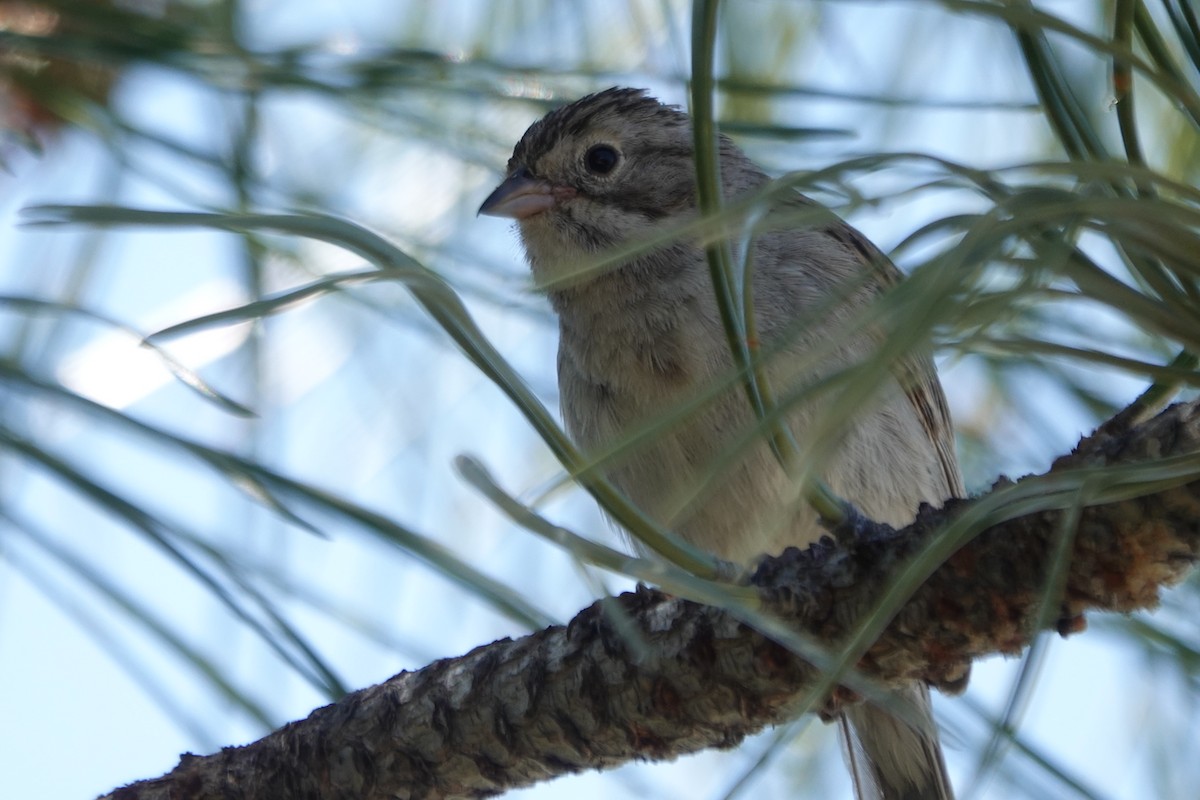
(893, 758)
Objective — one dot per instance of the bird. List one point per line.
(614, 173)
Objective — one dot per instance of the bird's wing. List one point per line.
(915, 371)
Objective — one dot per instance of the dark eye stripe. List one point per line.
(645, 206)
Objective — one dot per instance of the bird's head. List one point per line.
(595, 174)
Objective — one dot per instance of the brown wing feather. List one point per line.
(915, 372)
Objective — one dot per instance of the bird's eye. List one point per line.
(601, 159)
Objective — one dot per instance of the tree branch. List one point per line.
(574, 697)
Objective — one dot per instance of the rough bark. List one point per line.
(574, 697)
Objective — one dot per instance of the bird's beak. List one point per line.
(520, 195)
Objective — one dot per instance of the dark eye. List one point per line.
(601, 159)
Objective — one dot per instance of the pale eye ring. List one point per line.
(600, 159)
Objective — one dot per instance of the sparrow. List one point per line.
(613, 172)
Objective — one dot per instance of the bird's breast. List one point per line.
(641, 385)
